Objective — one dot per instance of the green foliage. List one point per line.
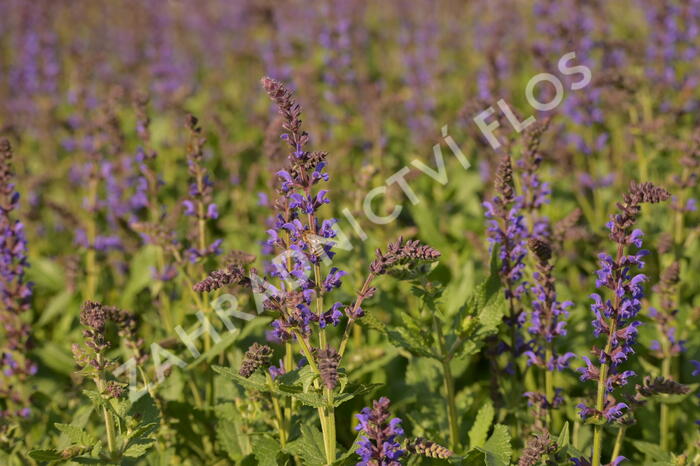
(482, 425)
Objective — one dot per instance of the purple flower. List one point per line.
(15, 291)
(379, 445)
(696, 371)
(615, 318)
(296, 229)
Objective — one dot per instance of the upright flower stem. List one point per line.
(618, 442)
(448, 381)
(325, 414)
(289, 401)
(663, 414)
(91, 255)
(109, 423)
(549, 382)
(600, 396)
(451, 404)
(355, 307)
(279, 418)
(600, 403)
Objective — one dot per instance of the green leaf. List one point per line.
(497, 447)
(76, 434)
(228, 431)
(56, 357)
(353, 391)
(480, 317)
(563, 439)
(653, 451)
(315, 400)
(138, 448)
(255, 382)
(370, 321)
(56, 306)
(145, 411)
(45, 455)
(296, 380)
(97, 399)
(47, 274)
(266, 450)
(482, 424)
(411, 341)
(309, 447)
(349, 458)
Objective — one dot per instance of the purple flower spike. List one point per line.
(379, 445)
(615, 318)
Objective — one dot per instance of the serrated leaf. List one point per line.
(482, 424)
(228, 433)
(254, 382)
(76, 434)
(266, 450)
(412, 342)
(309, 447)
(315, 400)
(145, 411)
(497, 447)
(353, 391)
(138, 448)
(370, 321)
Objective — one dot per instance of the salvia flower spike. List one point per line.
(615, 319)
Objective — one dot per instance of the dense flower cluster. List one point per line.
(15, 291)
(424, 447)
(675, 31)
(665, 317)
(548, 314)
(233, 274)
(328, 360)
(506, 229)
(94, 317)
(615, 319)
(199, 205)
(258, 356)
(379, 445)
(303, 240)
(537, 446)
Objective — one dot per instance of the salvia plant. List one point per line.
(433, 233)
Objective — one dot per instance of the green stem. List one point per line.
(449, 384)
(663, 415)
(109, 422)
(325, 414)
(549, 383)
(618, 442)
(600, 396)
(91, 254)
(281, 426)
(329, 436)
(355, 307)
(288, 401)
(451, 405)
